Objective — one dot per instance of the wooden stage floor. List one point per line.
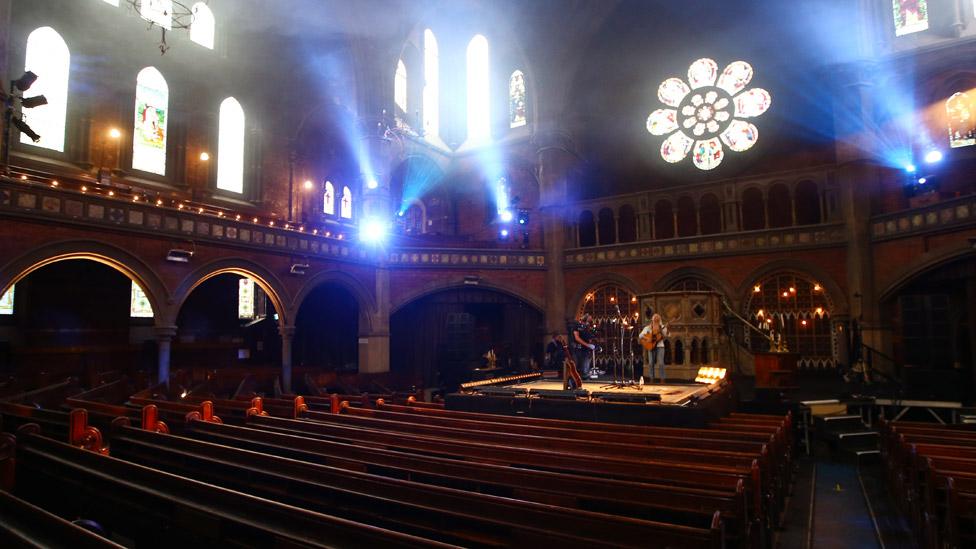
(670, 393)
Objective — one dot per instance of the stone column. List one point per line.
(554, 159)
(164, 341)
(287, 336)
(374, 329)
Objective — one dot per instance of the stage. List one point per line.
(676, 404)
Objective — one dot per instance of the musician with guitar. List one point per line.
(651, 339)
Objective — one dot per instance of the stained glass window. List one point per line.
(431, 94)
(245, 299)
(479, 120)
(910, 16)
(707, 113)
(159, 12)
(328, 199)
(230, 147)
(516, 100)
(400, 86)
(345, 206)
(7, 301)
(49, 59)
(961, 114)
(202, 28)
(149, 134)
(139, 306)
(797, 308)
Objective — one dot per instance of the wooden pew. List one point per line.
(617, 497)
(434, 512)
(155, 508)
(25, 525)
(960, 513)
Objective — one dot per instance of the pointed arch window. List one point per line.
(479, 119)
(159, 12)
(328, 199)
(345, 206)
(139, 305)
(431, 94)
(202, 28)
(230, 147)
(48, 57)
(151, 117)
(910, 16)
(245, 299)
(7, 301)
(516, 100)
(400, 86)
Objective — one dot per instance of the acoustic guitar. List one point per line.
(650, 340)
(569, 370)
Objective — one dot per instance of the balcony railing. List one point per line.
(940, 216)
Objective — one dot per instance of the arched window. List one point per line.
(431, 94)
(798, 308)
(345, 206)
(910, 16)
(679, 352)
(663, 220)
(202, 27)
(587, 229)
(710, 214)
(139, 306)
(753, 210)
(602, 302)
(516, 100)
(780, 208)
(7, 301)
(690, 284)
(479, 120)
(961, 115)
(704, 351)
(807, 203)
(48, 57)
(695, 355)
(627, 224)
(607, 227)
(413, 220)
(159, 12)
(687, 222)
(328, 199)
(149, 134)
(245, 299)
(230, 147)
(400, 86)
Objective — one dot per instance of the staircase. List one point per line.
(848, 437)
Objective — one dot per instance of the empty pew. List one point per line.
(153, 508)
(25, 525)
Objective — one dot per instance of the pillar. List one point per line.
(554, 160)
(287, 336)
(164, 342)
(374, 329)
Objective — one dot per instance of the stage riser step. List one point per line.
(840, 424)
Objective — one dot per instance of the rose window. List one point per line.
(708, 111)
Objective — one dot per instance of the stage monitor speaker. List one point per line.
(638, 398)
(559, 393)
(501, 391)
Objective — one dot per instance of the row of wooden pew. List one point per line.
(317, 472)
(931, 470)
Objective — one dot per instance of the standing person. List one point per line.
(555, 354)
(581, 338)
(655, 331)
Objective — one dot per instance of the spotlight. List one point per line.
(178, 255)
(298, 268)
(114, 133)
(204, 156)
(25, 82)
(910, 168)
(503, 233)
(505, 215)
(372, 231)
(31, 102)
(933, 156)
(372, 183)
(523, 217)
(922, 180)
(25, 129)
(308, 185)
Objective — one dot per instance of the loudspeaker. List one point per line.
(640, 398)
(559, 393)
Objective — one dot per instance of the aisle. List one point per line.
(841, 518)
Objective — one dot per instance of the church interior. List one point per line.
(431, 273)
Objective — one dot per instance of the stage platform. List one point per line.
(676, 404)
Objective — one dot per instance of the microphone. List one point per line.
(617, 307)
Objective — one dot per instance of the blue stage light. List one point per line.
(922, 180)
(503, 233)
(910, 168)
(933, 156)
(372, 231)
(371, 183)
(505, 215)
